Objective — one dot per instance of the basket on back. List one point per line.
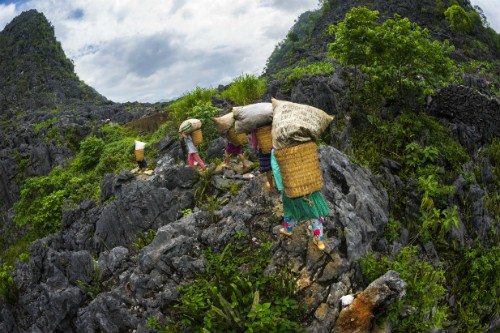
(236, 139)
(139, 150)
(264, 137)
(197, 137)
(300, 169)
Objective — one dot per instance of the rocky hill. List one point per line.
(45, 110)
(35, 72)
(411, 237)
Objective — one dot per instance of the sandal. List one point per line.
(287, 233)
(319, 243)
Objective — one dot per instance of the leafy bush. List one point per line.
(458, 18)
(399, 59)
(492, 151)
(90, 152)
(245, 89)
(113, 133)
(184, 105)
(477, 287)
(116, 155)
(435, 221)
(292, 75)
(6, 280)
(233, 296)
(415, 140)
(424, 294)
(41, 200)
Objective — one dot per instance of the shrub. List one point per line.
(415, 140)
(115, 156)
(184, 105)
(477, 288)
(458, 18)
(292, 75)
(228, 298)
(41, 200)
(399, 59)
(246, 89)
(90, 152)
(6, 280)
(424, 294)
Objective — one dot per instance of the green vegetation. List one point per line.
(143, 239)
(435, 222)
(298, 37)
(477, 289)
(417, 141)
(399, 60)
(233, 295)
(183, 106)
(290, 76)
(424, 294)
(42, 198)
(6, 280)
(95, 286)
(458, 18)
(245, 89)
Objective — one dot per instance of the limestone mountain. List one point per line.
(34, 71)
(45, 109)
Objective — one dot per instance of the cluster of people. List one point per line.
(300, 195)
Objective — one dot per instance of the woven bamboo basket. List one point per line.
(139, 154)
(197, 137)
(236, 139)
(265, 140)
(300, 170)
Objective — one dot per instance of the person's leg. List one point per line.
(198, 159)
(142, 164)
(317, 227)
(270, 179)
(243, 160)
(191, 160)
(226, 157)
(288, 225)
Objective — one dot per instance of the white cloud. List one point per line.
(148, 50)
(491, 9)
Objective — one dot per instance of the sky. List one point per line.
(158, 50)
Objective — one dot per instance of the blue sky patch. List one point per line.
(76, 14)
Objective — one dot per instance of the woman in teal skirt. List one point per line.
(310, 207)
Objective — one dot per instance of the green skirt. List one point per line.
(304, 208)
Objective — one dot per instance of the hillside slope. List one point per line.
(34, 71)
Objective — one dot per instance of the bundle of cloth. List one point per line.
(193, 128)
(225, 125)
(256, 120)
(295, 164)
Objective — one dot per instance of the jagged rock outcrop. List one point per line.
(474, 118)
(90, 278)
(360, 315)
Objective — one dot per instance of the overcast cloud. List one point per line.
(151, 50)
